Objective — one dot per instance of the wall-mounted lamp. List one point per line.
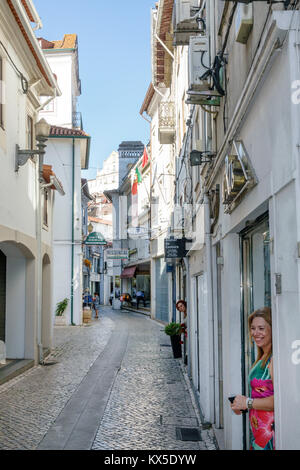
(197, 158)
(42, 131)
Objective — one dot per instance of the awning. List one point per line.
(128, 272)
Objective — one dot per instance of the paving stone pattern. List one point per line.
(150, 397)
(31, 402)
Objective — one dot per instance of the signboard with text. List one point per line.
(95, 238)
(175, 248)
(113, 253)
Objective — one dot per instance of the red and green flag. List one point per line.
(139, 176)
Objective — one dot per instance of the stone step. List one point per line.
(14, 368)
(142, 310)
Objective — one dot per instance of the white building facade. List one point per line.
(235, 83)
(25, 241)
(68, 151)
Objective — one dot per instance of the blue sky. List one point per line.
(114, 66)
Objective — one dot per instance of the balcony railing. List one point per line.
(77, 120)
(166, 122)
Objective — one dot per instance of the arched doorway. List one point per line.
(17, 300)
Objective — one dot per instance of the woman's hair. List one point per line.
(183, 302)
(264, 313)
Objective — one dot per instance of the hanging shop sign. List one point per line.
(170, 268)
(113, 253)
(115, 271)
(95, 238)
(94, 277)
(175, 248)
(239, 176)
(138, 232)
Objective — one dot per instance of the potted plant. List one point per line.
(61, 306)
(174, 330)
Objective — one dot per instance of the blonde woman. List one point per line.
(261, 401)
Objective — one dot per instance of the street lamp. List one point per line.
(42, 131)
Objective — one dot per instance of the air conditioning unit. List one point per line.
(199, 63)
(243, 22)
(185, 10)
(185, 21)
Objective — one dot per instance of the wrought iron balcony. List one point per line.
(166, 122)
(77, 120)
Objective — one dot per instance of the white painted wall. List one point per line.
(59, 111)
(20, 186)
(270, 137)
(59, 154)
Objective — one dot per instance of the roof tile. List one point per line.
(64, 131)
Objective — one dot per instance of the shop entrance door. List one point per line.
(202, 334)
(256, 293)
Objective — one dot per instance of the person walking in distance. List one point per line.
(96, 302)
(140, 296)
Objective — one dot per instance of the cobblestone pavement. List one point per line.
(149, 399)
(31, 402)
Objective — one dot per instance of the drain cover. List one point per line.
(166, 345)
(188, 434)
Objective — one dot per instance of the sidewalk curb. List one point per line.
(196, 405)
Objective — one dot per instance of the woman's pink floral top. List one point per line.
(261, 422)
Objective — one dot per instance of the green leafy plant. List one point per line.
(173, 329)
(61, 307)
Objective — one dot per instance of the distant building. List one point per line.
(129, 153)
(62, 57)
(69, 152)
(108, 177)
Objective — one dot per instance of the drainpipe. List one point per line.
(73, 237)
(39, 262)
(208, 253)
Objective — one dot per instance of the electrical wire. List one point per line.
(24, 81)
(228, 30)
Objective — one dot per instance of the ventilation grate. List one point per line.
(188, 434)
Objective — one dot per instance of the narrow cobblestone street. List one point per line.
(93, 396)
